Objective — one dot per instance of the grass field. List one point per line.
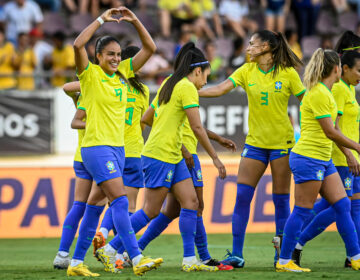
(32, 259)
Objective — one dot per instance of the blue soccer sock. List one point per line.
(346, 227)
(282, 211)
(319, 206)
(292, 230)
(138, 220)
(87, 230)
(240, 217)
(71, 224)
(201, 240)
(155, 228)
(355, 215)
(187, 226)
(321, 221)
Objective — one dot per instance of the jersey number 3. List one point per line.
(264, 98)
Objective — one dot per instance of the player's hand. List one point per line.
(228, 144)
(221, 168)
(108, 15)
(353, 164)
(127, 15)
(189, 160)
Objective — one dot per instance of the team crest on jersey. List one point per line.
(278, 86)
(110, 166)
(320, 175)
(347, 183)
(169, 176)
(199, 175)
(243, 154)
(122, 81)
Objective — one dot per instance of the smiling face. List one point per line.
(256, 47)
(110, 57)
(352, 74)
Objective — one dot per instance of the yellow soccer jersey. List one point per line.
(81, 132)
(63, 59)
(165, 139)
(348, 108)
(27, 67)
(137, 104)
(105, 98)
(268, 97)
(7, 53)
(318, 103)
(189, 139)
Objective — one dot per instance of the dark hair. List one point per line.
(282, 54)
(100, 44)
(347, 40)
(320, 66)
(188, 58)
(59, 35)
(135, 81)
(238, 43)
(349, 58)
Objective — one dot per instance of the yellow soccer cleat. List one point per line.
(146, 264)
(98, 242)
(189, 268)
(80, 270)
(204, 267)
(107, 260)
(290, 267)
(355, 265)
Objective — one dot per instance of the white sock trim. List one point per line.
(75, 262)
(110, 250)
(356, 257)
(284, 261)
(298, 246)
(137, 259)
(190, 260)
(104, 232)
(63, 254)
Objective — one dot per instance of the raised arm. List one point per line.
(148, 45)
(193, 116)
(217, 90)
(81, 57)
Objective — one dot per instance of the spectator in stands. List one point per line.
(306, 15)
(185, 37)
(238, 56)
(357, 4)
(275, 14)
(41, 49)
(97, 4)
(340, 6)
(156, 68)
(52, 5)
(357, 31)
(216, 62)
(90, 49)
(7, 56)
(292, 38)
(61, 60)
(25, 63)
(236, 14)
(210, 12)
(326, 42)
(20, 16)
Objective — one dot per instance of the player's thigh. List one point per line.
(82, 189)
(184, 192)
(250, 171)
(306, 193)
(332, 188)
(172, 207)
(113, 188)
(97, 196)
(281, 175)
(153, 200)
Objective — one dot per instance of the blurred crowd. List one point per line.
(36, 35)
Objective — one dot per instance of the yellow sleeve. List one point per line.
(320, 105)
(81, 103)
(340, 98)
(238, 78)
(126, 68)
(189, 96)
(296, 86)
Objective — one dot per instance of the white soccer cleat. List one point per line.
(61, 262)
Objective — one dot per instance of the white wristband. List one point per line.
(100, 20)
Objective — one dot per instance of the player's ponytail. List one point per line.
(100, 44)
(320, 66)
(281, 52)
(188, 58)
(347, 41)
(135, 81)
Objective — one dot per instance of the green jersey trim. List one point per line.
(131, 64)
(270, 70)
(191, 106)
(301, 92)
(152, 106)
(326, 87)
(110, 76)
(232, 80)
(340, 113)
(323, 116)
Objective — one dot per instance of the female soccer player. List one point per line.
(161, 157)
(268, 80)
(311, 164)
(345, 160)
(137, 103)
(103, 87)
